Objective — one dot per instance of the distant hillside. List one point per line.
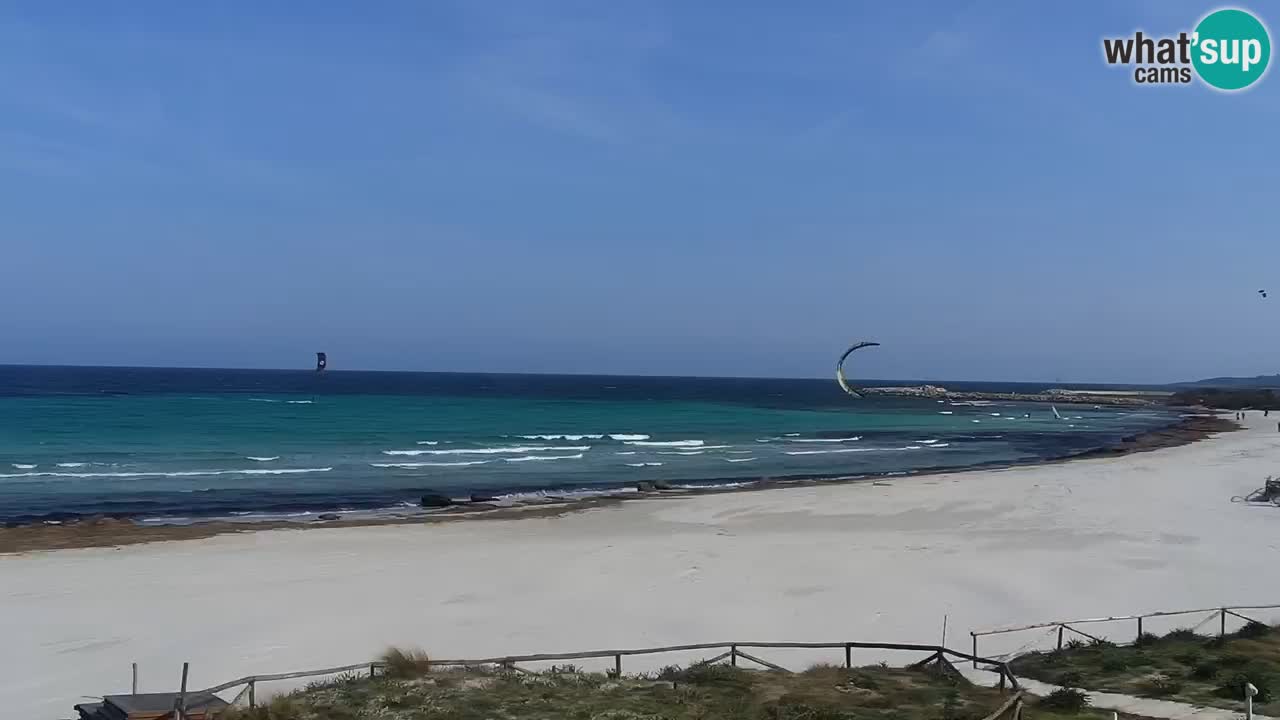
(1258, 381)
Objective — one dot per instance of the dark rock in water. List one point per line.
(662, 485)
(431, 500)
(477, 498)
(329, 516)
(646, 486)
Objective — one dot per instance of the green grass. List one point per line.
(716, 692)
(1180, 666)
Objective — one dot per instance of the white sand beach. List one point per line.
(1108, 536)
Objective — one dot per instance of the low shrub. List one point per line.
(1253, 629)
(1069, 678)
(1160, 685)
(788, 707)
(1234, 660)
(1190, 658)
(1101, 643)
(1146, 639)
(1068, 700)
(1206, 670)
(1233, 687)
(1074, 644)
(1114, 662)
(405, 663)
(1181, 635)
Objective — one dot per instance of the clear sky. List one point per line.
(736, 188)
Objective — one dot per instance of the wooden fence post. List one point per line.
(1222, 628)
(848, 656)
(617, 665)
(733, 655)
(1139, 629)
(253, 701)
(975, 649)
(180, 705)
(1060, 637)
(134, 686)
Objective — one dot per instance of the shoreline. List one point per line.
(116, 532)
(882, 561)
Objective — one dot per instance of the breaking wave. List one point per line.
(666, 443)
(490, 451)
(524, 458)
(413, 465)
(263, 459)
(644, 464)
(179, 473)
(624, 437)
(570, 438)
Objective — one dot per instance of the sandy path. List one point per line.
(848, 562)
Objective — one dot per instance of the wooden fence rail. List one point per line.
(729, 650)
(1067, 625)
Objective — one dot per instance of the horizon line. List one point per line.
(1049, 383)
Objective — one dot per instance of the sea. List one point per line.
(165, 445)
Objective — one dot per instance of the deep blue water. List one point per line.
(181, 444)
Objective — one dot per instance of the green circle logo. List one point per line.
(1232, 49)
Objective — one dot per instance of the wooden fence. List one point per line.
(1064, 626)
(731, 651)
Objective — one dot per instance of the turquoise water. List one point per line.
(152, 444)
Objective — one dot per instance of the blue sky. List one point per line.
(633, 187)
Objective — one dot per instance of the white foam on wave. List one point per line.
(300, 402)
(750, 459)
(179, 473)
(428, 442)
(793, 435)
(570, 438)
(263, 400)
(644, 464)
(491, 451)
(23, 466)
(624, 436)
(824, 440)
(995, 414)
(852, 450)
(263, 459)
(666, 443)
(945, 412)
(524, 458)
(413, 465)
(625, 452)
(739, 452)
(930, 441)
(829, 452)
(72, 465)
(680, 452)
(941, 445)
(977, 421)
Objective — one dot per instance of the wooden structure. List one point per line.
(152, 706)
(1064, 626)
(938, 657)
